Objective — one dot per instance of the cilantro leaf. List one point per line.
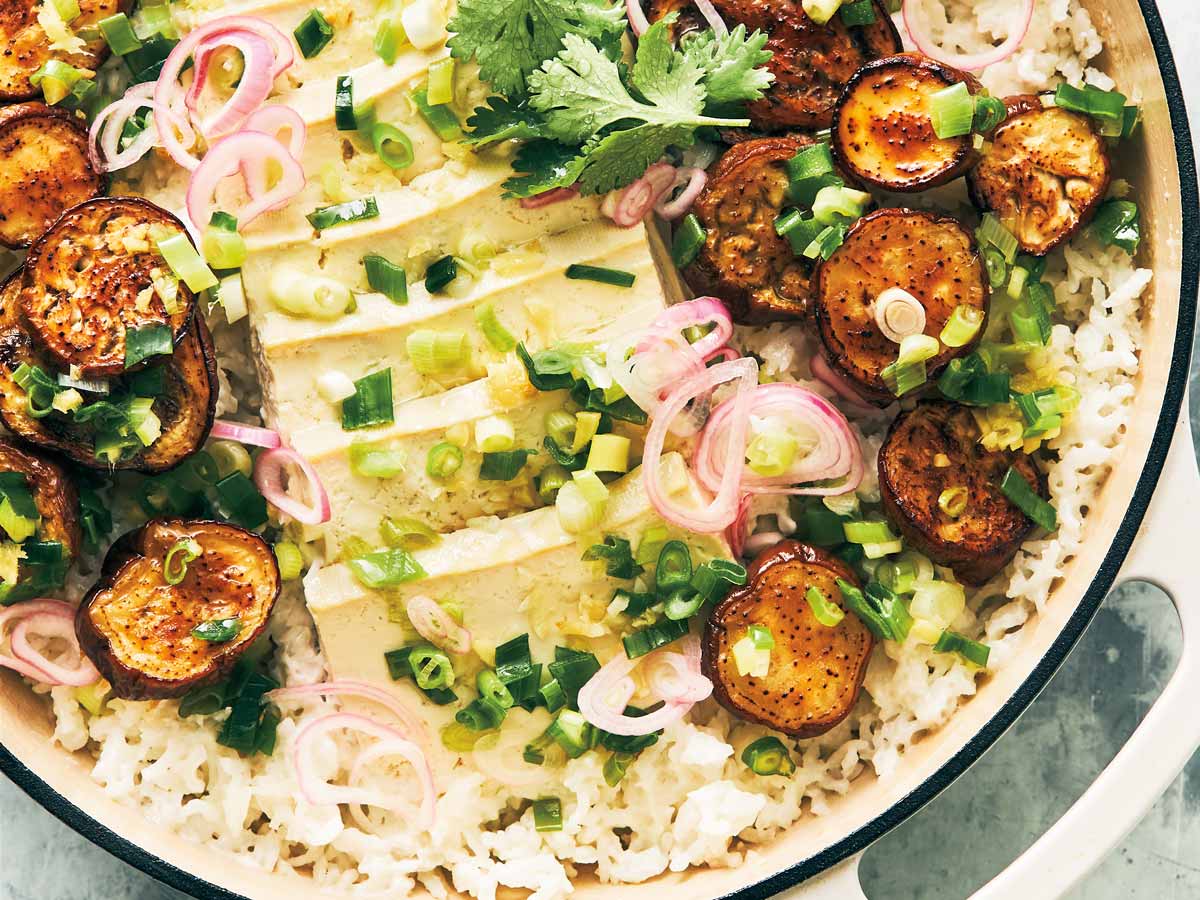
(730, 65)
(545, 165)
(620, 158)
(511, 38)
(503, 120)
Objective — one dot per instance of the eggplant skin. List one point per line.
(44, 169)
(743, 260)
(137, 629)
(883, 131)
(816, 670)
(186, 409)
(1046, 173)
(933, 257)
(53, 491)
(89, 279)
(24, 46)
(913, 474)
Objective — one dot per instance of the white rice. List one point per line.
(688, 800)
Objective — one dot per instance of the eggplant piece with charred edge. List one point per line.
(25, 47)
(1046, 173)
(933, 448)
(811, 63)
(743, 260)
(883, 128)
(44, 169)
(186, 408)
(816, 670)
(53, 493)
(136, 628)
(932, 257)
(90, 278)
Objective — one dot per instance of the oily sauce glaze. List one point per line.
(933, 257)
(816, 670)
(935, 447)
(137, 629)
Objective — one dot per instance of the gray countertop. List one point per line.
(964, 837)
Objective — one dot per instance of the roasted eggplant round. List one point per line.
(146, 634)
(1046, 172)
(44, 169)
(934, 448)
(183, 386)
(25, 47)
(743, 260)
(883, 127)
(810, 62)
(53, 492)
(91, 280)
(816, 670)
(932, 257)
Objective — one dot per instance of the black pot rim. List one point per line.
(198, 887)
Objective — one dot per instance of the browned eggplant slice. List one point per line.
(44, 169)
(1047, 171)
(743, 260)
(137, 628)
(883, 128)
(53, 492)
(24, 46)
(933, 448)
(185, 407)
(934, 258)
(816, 670)
(90, 279)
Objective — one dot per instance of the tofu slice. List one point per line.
(523, 575)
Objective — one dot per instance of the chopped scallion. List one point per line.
(547, 814)
(325, 217)
(443, 461)
(371, 404)
(1017, 489)
(218, 631)
(343, 104)
(118, 34)
(823, 609)
(972, 651)
(768, 756)
(440, 118)
(615, 277)
(313, 34)
(386, 278)
(688, 241)
(186, 263)
(440, 90)
(393, 147)
(386, 568)
(432, 352)
(504, 465)
(147, 341)
(440, 273)
(493, 330)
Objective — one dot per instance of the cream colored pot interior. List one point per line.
(25, 724)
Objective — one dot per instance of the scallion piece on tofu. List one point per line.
(359, 210)
(371, 404)
(992, 234)
(768, 756)
(972, 651)
(224, 248)
(386, 568)
(1025, 498)
(440, 118)
(393, 147)
(313, 34)
(547, 814)
(147, 341)
(490, 686)
(343, 104)
(952, 111)
(431, 352)
(504, 465)
(440, 273)
(493, 330)
(609, 453)
(825, 243)
(407, 533)
(186, 263)
(858, 12)
(1118, 223)
(615, 277)
(387, 278)
(989, 112)
(118, 34)
(516, 669)
(646, 640)
(388, 38)
(571, 670)
(431, 667)
(218, 631)
(688, 241)
(376, 460)
(674, 568)
(481, 714)
(444, 461)
(617, 554)
(824, 611)
(879, 608)
(440, 90)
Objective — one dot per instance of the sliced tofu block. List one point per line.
(522, 575)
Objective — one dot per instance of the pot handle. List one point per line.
(1163, 554)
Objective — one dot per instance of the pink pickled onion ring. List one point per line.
(712, 17)
(276, 118)
(824, 373)
(836, 457)
(250, 435)
(695, 180)
(104, 136)
(635, 202)
(411, 723)
(650, 374)
(761, 540)
(546, 198)
(970, 61)
(321, 793)
(49, 618)
(603, 699)
(638, 23)
(701, 311)
(436, 625)
(269, 476)
(674, 678)
(245, 149)
(723, 509)
(252, 89)
(735, 534)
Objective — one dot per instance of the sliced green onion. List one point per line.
(386, 568)
(650, 544)
(439, 117)
(393, 146)
(549, 481)
(491, 687)
(771, 453)
(439, 274)
(823, 609)
(902, 378)
(289, 559)
(609, 453)
(175, 563)
(880, 609)
(989, 112)
(799, 231)
(617, 555)
(431, 667)
(952, 111)
(301, 294)
(837, 204)
(972, 651)
(571, 670)
(443, 461)
(615, 277)
(997, 268)
(406, 533)
(547, 814)
(587, 425)
(118, 34)
(68, 10)
(768, 756)
(493, 330)
(218, 631)
(241, 501)
(688, 241)
(515, 668)
(371, 404)
(962, 326)
(441, 82)
(714, 579)
(1129, 124)
(992, 233)
(388, 38)
(387, 278)
(1118, 223)
(761, 637)
(561, 425)
(325, 217)
(674, 568)
(868, 532)
(858, 12)
(57, 80)
(458, 738)
(820, 526)
(432, 352)
(1025, 498)
(376, 460)
(953, 501)
(504, 465)
(494, 434)
(223, 247)
(147, 341)
(186, 263)
(810, 162)
(987, 390)
(616, 766)
(1107, 106)
(572, 732)
(898, 576)
(1030, 322)
(821, 11)
(649, 639)
(343, 104)
(825, 243)
(313, 34)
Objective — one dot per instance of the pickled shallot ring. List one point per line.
(50, 618)
(694, 180)
(437, 626)
(603, 699)
(277, 117)
(970, 61)
(104, 137)
(250, 435)
(344, 687)
(252, 88)
(546, 198)
(634, 203)
(254, 151)
(701, 311)
(638, 23)
(269, 478)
